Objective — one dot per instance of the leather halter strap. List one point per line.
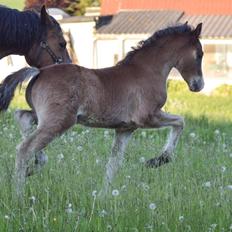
(55, 58)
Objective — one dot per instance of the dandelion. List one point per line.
(223, 168)
(60, 157)
(7, 217)
(217, 132)
(54, 219)
(32, 200)
(207, 184)
(97, 161)
(109, 227)
(69, 209)
(152, 206)
(106, 133)
(94, 193)
(115, 192)
(80, 148)
(230, 227)
(123, 187)
(103, 213)
(144, 134)
(192, 135)
(181, 218)
(142, 159)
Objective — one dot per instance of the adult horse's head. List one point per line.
(50, 46)
(190, 59)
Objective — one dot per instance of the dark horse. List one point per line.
(125, 97)
(38, 37)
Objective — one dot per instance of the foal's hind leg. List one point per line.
(34, 143)
(177, 124)
(117, 155)
(26, 119)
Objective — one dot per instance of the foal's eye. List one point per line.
(63, 45)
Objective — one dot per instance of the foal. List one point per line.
(125, 97)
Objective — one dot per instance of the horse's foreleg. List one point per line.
(117, 155)
(26, 119)
(177, 124)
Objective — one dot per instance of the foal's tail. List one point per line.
(9, 84)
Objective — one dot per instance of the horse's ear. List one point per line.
(44, 17)
(197, 31)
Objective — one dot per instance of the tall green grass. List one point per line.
(193, 193)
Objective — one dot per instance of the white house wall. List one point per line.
(82, 38)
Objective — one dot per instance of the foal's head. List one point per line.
(190, 59)
(50, 46)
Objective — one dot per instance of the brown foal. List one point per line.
(125, 97)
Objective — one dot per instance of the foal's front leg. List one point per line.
(176, 123)
(117, 155)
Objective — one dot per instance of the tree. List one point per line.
(72, 7)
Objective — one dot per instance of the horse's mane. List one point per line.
(151, 41)
(19, 29)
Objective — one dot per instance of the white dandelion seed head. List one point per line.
(223, 168)
(115, 192)
(32, 199)
(109, 227)
(7, 217)
(97, 161)
(80, 148)
(192, 135)
(142, 159)
(181, 218)
(152, 206)
(103, 213)
(207, 184)
(217, 132)
(60, 157)
(144, 134)
(94, 193)
(69, 208)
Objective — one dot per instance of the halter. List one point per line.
(56, 59)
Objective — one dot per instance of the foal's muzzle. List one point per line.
(196, 84)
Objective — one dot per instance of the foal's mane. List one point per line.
(19, 29)
(152, 40)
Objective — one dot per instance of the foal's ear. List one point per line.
(44, 16)
(197, 31)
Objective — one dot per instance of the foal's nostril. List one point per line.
(197, 85)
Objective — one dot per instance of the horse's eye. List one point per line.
(63, 45)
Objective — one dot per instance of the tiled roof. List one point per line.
(213, 25)
(218, 7)
(137, 22)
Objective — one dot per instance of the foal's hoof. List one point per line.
(157, 161)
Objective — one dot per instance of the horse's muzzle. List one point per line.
(196, 84)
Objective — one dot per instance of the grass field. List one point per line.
(17, 4)
(193, 193)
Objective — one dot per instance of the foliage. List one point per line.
(193, 193)
(72, 7)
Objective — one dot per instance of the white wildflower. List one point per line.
(217, 132)
(109, 227)
(207, 184)
(60, 157)
(106, 133)
(142, 159)
(32, 199)
(80, 148)
(144, 134)
(192, 135)
(97, 161)
(69, 208)
(7, 217)
(94, 193)
(181, 218)
(115, 192)
(103, 213)
(223, 168)
(152, 206)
